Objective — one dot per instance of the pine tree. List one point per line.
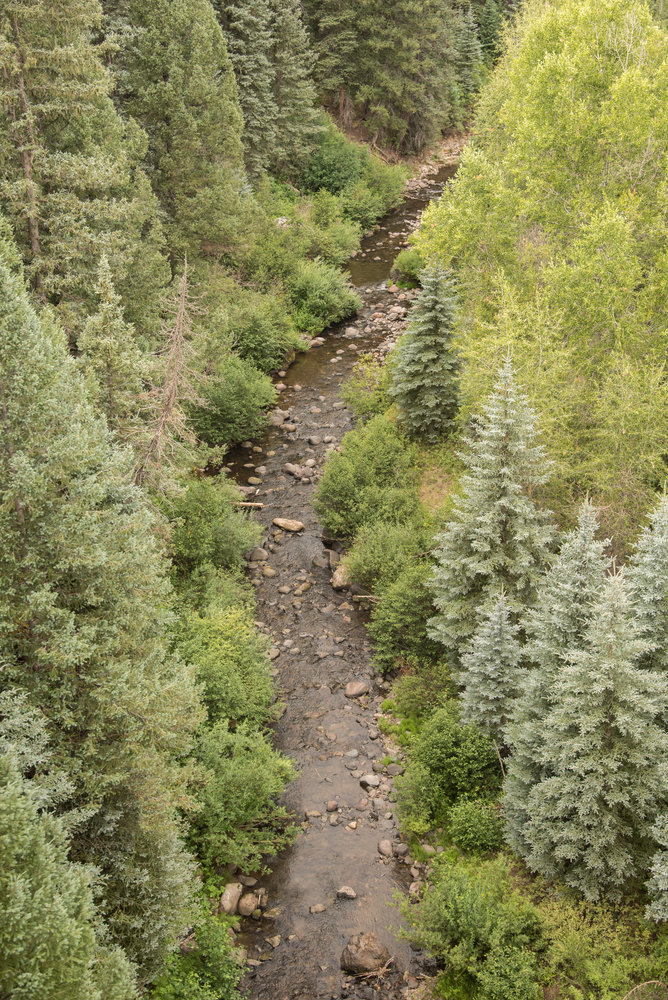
(491, 672)
(69, 178)
(110, 352)
(554, 630)
(657, 884)
(589, 821)
(469, 54)
(84, 630)
(648, 583)
(337, 43)
(498, 538)
(489, 20)
(48, 928)
(248, 29)
(424, 381)
(294, 93)
(176, 79)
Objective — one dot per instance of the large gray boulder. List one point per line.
(364, 953)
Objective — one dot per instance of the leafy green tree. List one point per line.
(555, 629)
(491, 672)
(48, 933)
(425, 373)
(85, 619)
(589, 822)
(498, 538)
(110, 352)
(70, 182)
(176, 80)
(648, 583)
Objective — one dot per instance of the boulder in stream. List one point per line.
(364, 953)
(355, 689)
(230, 898)
(287, 524)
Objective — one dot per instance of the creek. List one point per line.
(321, 644)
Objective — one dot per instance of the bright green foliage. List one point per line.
(448, 761)
(408, 265)
(207, 528)
(237, 398)
(485, 933)
(320, 296)
(109, 351)
(490, 672)
(425, 373)
(589, 820)
(372, 478)
(475, 826)
(49, 921)
(84, 618)
(239, 820)
(381, 550)
(398, 624)
(366, 391)
(648, 584)
(209, 972)
(555, 629)
(231, 660)
(498, 538)
(176, 80)
(657, 884)
(69, 178)
(552, 227)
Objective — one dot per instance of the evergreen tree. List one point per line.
(489, 20)
(491, 672)
(293, 89)
(554, 630)
(469, 54)
(248, 29)
(69, 178)
(648, 583)
(589, 821)
(657, 883)
(337, 42)
(175, 78)
(424, 381)
(498, 538)
(84, 630)
(110, 352)
(48, 928)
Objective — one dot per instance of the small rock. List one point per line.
(355, 689)
(258, 555)
(230, 898)
(385, 848)
(274, 941)
(339, 579)
(248, 881)
(317, 908)
(268, 571)
(428, 850)
(334, 819)
(255, 481)
(364, 953)
(370, 781)
(345, 892)
(312, 814)
(395, 769)
(247, 904)
(287, 524)
(362, 805)
(401, 850)
(332, 806)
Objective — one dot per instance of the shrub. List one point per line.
(476, 826)
(320, 296)
(366, 391)
(379, 189)
(263, 333)
(421, 692)
(236, 400)
(448, 761)
(408, 266)
(207, 528)
(209, 972)
(483, 931)
(398, 624)
(230, 656)
(382, 549)
(209, 587)
(335, 163)
(239, 820)
(371, 478)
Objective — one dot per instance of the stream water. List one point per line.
(320, 644)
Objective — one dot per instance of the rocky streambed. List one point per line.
(340, 878)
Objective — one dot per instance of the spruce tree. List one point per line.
(469, 54)
(589, 822)
(424, 380)
(69, 178)
(337, 45)
(489, 20)
(48, 929)
(498, 538)
(648, 583)
(84, 630)
(109, 351)
(554, 630)
(491, 672)
(657, 884)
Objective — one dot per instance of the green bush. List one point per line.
(398, 624)
(335, 163)
(476, 826)
(419, 693)
(382, 549)
(208, 587)
(263, 333)
(407, 267)
(448, 761)
(366, 391)
(207, 527)
(378, 191)
(239, 820)
(487, 936)
(320, 295)
(230, 657)
(372, 478)
(209, 972)
(236, 399)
